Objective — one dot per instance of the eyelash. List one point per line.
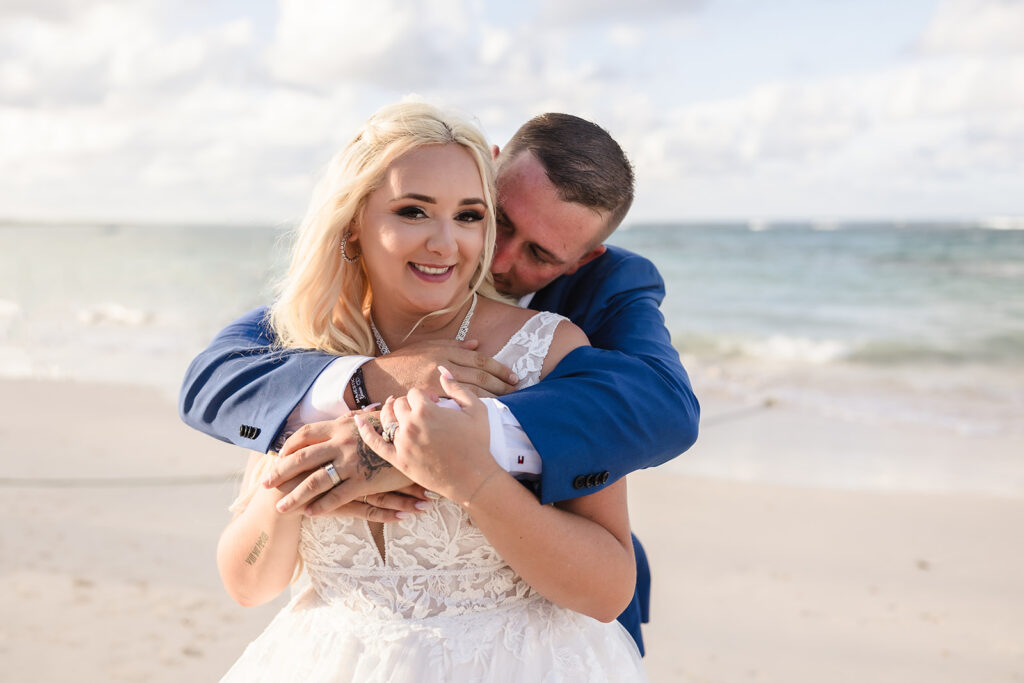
(470, 216)
(411, 212)
(416, 212)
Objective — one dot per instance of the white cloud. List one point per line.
(388, 43)
(110, 111)
(625, 35)
(976, 26)
(936, 131)
(595, 11)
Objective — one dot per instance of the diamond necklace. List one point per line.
(460, 336)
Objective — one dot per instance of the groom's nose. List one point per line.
(502, 261)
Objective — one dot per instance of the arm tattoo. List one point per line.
(369, 462)
(261, 543)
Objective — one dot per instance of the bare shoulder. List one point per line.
(567, 337)
(495, 322)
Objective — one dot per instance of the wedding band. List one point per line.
(364, 501)
(389, 431)
(332, 473)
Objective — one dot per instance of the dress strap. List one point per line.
(526, 350)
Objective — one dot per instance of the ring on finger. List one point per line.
(364, 501)
(332, 473)
(389, 431)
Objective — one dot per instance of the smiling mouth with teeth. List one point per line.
(430, 270)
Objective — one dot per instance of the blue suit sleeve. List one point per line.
(241, 389)
(621, 405)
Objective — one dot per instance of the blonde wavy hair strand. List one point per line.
(323, 301)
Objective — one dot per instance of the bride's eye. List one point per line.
(411, 212)
(469, 217)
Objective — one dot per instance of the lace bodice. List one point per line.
(435, 563)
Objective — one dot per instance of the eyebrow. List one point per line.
(431, 200)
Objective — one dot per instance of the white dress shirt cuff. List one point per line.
(510, 446)
(325, 399)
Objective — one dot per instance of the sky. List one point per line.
(225, 111)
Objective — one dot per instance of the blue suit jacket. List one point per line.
(623, 404)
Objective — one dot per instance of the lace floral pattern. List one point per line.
(439, 605)
(435, 563)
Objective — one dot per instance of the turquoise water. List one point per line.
(919, 323)
(868, 294)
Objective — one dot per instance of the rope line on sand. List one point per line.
(204, 479)
(737, 414)
(116, 482)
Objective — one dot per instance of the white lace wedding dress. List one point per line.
(440, 605)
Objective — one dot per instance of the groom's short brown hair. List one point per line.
(581, 160)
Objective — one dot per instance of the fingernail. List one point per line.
(371, 407)
(512, 378)
(422, 505)
(431, 495)
(403, 515)
(358, 419)
(389, 398)
(445, 372)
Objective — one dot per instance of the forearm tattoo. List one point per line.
(369, 462)
(257, 549)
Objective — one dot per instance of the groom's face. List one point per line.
(540, 236)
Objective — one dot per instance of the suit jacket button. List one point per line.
(248, 431)
(604, 477)
(579, 482)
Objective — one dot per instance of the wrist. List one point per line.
(269, 498)
(383, 377)
(357, 389)
(467, 501)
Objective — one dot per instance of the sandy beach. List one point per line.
(115, 580)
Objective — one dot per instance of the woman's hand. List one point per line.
(444, 450)
(370, 488)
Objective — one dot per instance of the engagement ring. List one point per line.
(389, 431)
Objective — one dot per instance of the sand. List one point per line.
(753, 581)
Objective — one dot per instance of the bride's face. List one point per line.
(422, 230)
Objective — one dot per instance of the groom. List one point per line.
(623, 404)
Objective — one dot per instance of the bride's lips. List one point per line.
(431, 273)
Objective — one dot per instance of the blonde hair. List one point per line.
(323, 299)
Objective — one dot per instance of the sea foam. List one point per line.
(114, 314)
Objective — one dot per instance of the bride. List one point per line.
(487, 584)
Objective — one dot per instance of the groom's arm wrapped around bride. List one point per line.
(621, 405)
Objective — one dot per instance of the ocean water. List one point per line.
(882, 323)
(878, 322)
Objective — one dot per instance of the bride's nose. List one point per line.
(442, 239)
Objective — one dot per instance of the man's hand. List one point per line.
(370, 489)
(415, 367)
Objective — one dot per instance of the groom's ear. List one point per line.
(495, 152)
(586, 258)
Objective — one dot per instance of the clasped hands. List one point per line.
(438, 448)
